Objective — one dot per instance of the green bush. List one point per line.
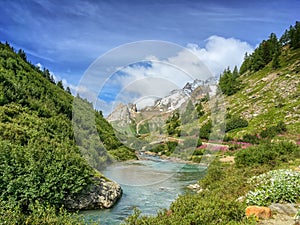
(251, 138)
(199, 142)
(49, 176)
(173, 124)
(235, 122)
(171, 146)
(227, 138)
(273, 187)
(37, 214)
(272, 131)
(166, 148)
(267, 153)
(205, 130)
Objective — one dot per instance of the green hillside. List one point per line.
(270, 94)
(41, 163)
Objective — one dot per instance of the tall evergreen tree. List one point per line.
(22, 54)
(228, 82)
(60, 85)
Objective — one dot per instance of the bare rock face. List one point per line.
(121, 112)
(102, 194)
(259, 211)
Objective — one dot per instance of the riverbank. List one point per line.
(147, 155)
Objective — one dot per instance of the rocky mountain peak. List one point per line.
(123, 112)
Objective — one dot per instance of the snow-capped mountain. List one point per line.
(176, 99)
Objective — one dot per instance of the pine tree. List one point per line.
(228, 82)
(275, 62)
(60, 85)
(68, 90)
(246, 64)
(199, 109)
(235, 72)
(22, 54)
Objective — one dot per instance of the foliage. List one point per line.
(190, 113)
(267, 153)
(40, 160)
(267, 51)
(173, 125)
(199, 108)
(38, 214)
(229, 83)
(32, 172)
(235, 122)
(251, 138)
(166, 148)
(205, 130)
(272, 131)
(275, 186)
(292, 36)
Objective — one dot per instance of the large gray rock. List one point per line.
(102, 194)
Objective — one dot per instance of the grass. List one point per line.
(272, 102)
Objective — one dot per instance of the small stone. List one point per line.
(193, 186)
(241, 199)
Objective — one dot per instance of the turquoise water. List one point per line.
(149, 185)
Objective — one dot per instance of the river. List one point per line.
(149, 185)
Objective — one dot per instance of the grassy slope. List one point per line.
(269, 96)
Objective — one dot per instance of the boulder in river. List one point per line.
(102, 194)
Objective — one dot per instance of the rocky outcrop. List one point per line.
(121, 112)
(102, 194)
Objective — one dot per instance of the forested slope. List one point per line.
(40, 160)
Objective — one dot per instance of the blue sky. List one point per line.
(66, 36)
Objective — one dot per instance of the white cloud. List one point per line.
(220, 52)
(40, 66)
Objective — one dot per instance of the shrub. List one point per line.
(269, 132)
(272, 131)
(166, 148)
(199, 142)
(38, 214)
(267, 153)
(171, 146)
(40, 173)
(227, 138)
(251, 138)
(235, 122)
(273, 187)
(205, 130)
